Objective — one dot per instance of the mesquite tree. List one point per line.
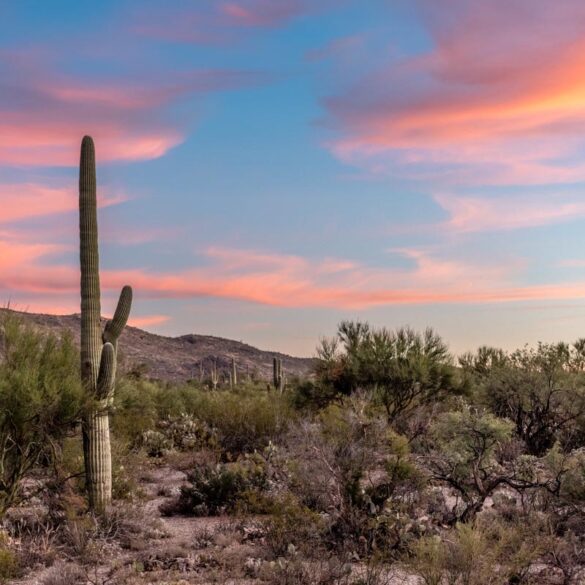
(98, 350)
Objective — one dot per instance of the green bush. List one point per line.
(293, 526)
(216, 489)
(244, 420)
(484, 552)
(403, 368)
(464, 453)
(183, 433)
(41, 398)
(9, 568)
(540, 389)
(136, 409)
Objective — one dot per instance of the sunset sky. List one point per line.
(270, 167)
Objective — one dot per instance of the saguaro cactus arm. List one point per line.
(116, 324)
(107, 375)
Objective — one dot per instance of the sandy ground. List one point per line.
(194, 550)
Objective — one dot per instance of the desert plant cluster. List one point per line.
(393, 462)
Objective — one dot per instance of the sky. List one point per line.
(268, 168)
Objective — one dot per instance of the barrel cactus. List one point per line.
(98, 349)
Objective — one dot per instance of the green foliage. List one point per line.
(541, 389)
(241, 421)
(9, 566)
(466, 557)
(41, 400)
(183, 432)
(331, 471)
(487, 551)
(403, 368)
(245, 421)
(215, 489)
(293, 526)
(137, 409)
(463, 452)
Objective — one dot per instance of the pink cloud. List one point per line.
(147, 320)
(291, 281)
(44, 114)
(286, 280)
(477, 214)
(16, 256)
(20, 201)
(472, 109)
(220, 22)
(261, 13)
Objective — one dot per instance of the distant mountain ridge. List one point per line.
(178, 359)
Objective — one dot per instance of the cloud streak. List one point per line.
(472, 110)
(21, 201)
(215, 22)
(43, 116)
(294, 282)
(512, 212)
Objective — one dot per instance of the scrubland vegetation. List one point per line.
(396, 462)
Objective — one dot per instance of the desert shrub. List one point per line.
(566, 472)
(491, 549)
(244, 421)
(187, 433)
(297, 571)
(9, 563)
(9, 566)
(541, 389)
(562, 498)
(41, 399)
(465, 557)
(65, 574)
(216, 489)
(182, 432)
(565, 557)
(156, 443)
(136, 409)
(403, 368)
(329, 456)
(347, 465)
(463, 452)
(428, 560)
(292, 527)
(313, 394)
(241, 421)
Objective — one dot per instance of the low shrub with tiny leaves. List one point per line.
(215, 489)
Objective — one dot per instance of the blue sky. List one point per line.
(270, 167)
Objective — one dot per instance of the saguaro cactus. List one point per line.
(98, 350)
(277, 375)
(214, 378)
(233, 374)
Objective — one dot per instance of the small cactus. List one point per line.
(214, 376)
(233, 374)
(98, 350)
(279, 379)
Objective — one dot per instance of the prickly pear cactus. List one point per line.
(98, 350)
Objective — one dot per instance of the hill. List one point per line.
(178, 359)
